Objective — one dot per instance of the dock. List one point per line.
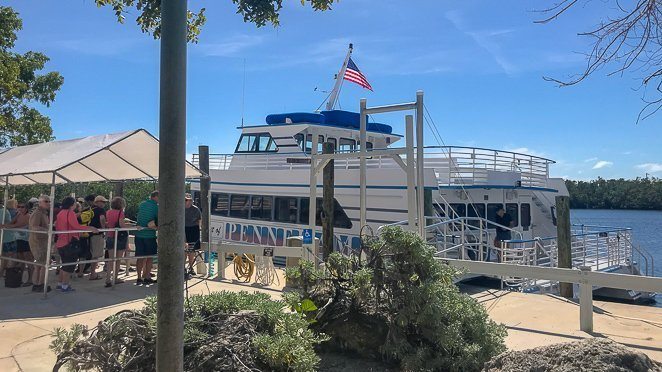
(27, 320)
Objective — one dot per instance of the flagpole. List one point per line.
(333, 97)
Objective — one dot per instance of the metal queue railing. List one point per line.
(52, 251)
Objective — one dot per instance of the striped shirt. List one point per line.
(147, 211)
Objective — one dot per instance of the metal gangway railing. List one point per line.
(600, 248)
(453, 165)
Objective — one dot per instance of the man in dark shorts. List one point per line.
(502, 234)
(192, 218)
(145, 241)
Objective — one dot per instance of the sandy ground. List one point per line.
(27, 320)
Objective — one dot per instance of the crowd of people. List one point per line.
(81, 239)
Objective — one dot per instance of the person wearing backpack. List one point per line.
(84, 218)
(115, 218)
(97, 242)
(67, 244)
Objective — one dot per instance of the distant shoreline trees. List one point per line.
(639, 193)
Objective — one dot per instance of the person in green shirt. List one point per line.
(145, 240)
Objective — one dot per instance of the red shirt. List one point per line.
(113, 217)
(66, 220)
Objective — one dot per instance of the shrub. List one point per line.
(397, 302)
(223, 331)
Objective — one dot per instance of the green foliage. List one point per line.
(149, 19)
(21, 86)
(640, 193)
(134, 192)
(259, 12)
(399, 302)
(222, 332)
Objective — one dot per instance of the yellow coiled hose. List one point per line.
(244, 266)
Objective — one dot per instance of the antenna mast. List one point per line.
(243, 92)
(333, 97)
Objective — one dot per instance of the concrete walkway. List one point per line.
(536, 320)
(27, 320)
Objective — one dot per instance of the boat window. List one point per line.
(299, 139)
(239, 206)
(513, 210)
(309, 143)
(476, 210)
(340, 218)
(261, 207)
(334, 141)
(368, 145)
(457, 210)
(347, 144)
(256, 142)
(286, 210)
(219, 204)
(492, 208)
(441, 210)
(525, 212)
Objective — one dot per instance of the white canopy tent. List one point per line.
(108, 157)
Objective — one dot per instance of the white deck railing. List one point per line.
(453, 165)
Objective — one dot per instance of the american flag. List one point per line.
(353, 74)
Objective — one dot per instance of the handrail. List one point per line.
(583, 276)
(472, 219)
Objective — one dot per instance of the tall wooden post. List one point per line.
(563, 241)
(118, 188)
(172, 162)
(327, 202)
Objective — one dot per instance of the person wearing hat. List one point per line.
(97, 240)
(192, 218)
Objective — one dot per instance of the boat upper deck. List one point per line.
(453, 165)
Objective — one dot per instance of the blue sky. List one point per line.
(480, 64)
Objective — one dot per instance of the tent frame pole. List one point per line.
(49, 244)
(4, 212)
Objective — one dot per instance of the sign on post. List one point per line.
(307, 243)
(307, 236)
(268, 251)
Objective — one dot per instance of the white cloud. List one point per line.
(589, 160)
(651, 167)
(602, 164)
(230, 46)
(486, 39)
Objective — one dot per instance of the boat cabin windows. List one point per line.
(520, 213)
(475, 210)
(347, 145)
(513, 210)
(292, 210)
(340, 218)
(457, 210)
(286, 210)
(309, 143)
(256, 142)
(261, 207)
(239, 206)
(525, 212)
(339, 144)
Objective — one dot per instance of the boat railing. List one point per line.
(453, 165)
(602, 248)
